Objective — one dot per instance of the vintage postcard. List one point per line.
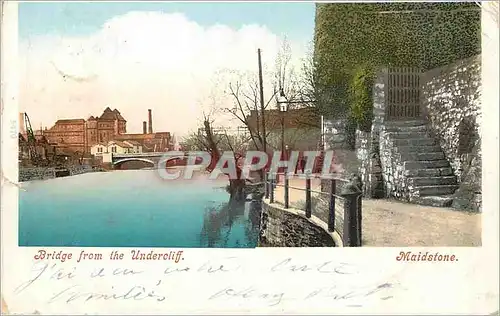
(249, 157)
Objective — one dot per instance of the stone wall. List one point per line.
(395, 181)
(451, 103)
(370, 170)
(286, 228)
(385, 174)
(368, 145)
(75, 170)
(363, 151)
(38, 173)
(44, 173)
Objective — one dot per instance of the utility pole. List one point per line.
(261, 88)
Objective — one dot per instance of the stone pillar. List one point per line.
(379, 99)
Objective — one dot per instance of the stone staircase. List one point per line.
(428, 176)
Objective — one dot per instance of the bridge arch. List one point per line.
(121, 161)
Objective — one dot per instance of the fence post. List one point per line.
(351, 228)
(286, 191)
(360, 218)
(331, 216)
(308, 195)
(271, 190)
(266, 184)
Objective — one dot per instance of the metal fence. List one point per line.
(352, 203)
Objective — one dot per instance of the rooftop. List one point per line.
(109, 114)
(133, 142)
(121, 144)
(70, 121)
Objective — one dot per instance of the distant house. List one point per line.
(136, 146)
(99, 149)
(115, 147)
(119, 147)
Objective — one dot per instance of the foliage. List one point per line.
(407, 34)
(361, 101)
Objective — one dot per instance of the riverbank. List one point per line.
(44, 173)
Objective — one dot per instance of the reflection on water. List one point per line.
(220, 221)
(134, 208)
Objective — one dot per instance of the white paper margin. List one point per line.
(469, 286)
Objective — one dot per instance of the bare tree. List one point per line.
(286, 78)
(242, 88)
(244, 92)
(307, 83)
(197, 140)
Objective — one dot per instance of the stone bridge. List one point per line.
(151, 158)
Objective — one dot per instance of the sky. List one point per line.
(77, 58)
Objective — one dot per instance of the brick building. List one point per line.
(304, 117)
(154, 142)
(79, 135)
(105, 127)
(302, 127)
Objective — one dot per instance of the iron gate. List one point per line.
(403, 93)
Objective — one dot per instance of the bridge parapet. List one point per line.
(150, 157)
(132, 155)
(149, 154)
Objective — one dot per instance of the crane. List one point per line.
(34, 156)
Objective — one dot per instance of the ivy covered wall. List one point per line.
(353, 39)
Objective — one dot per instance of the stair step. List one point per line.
(418, 128)
(419, 149)
(435, 190)
(405, 123)
(425, 181)
(415, 142)
(424, 164)
(434, 200)
(429, 172)
(408, 134)
(439, 155)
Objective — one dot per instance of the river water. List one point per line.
(134, 208)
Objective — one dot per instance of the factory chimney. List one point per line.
(144, 127)
(150, 118)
